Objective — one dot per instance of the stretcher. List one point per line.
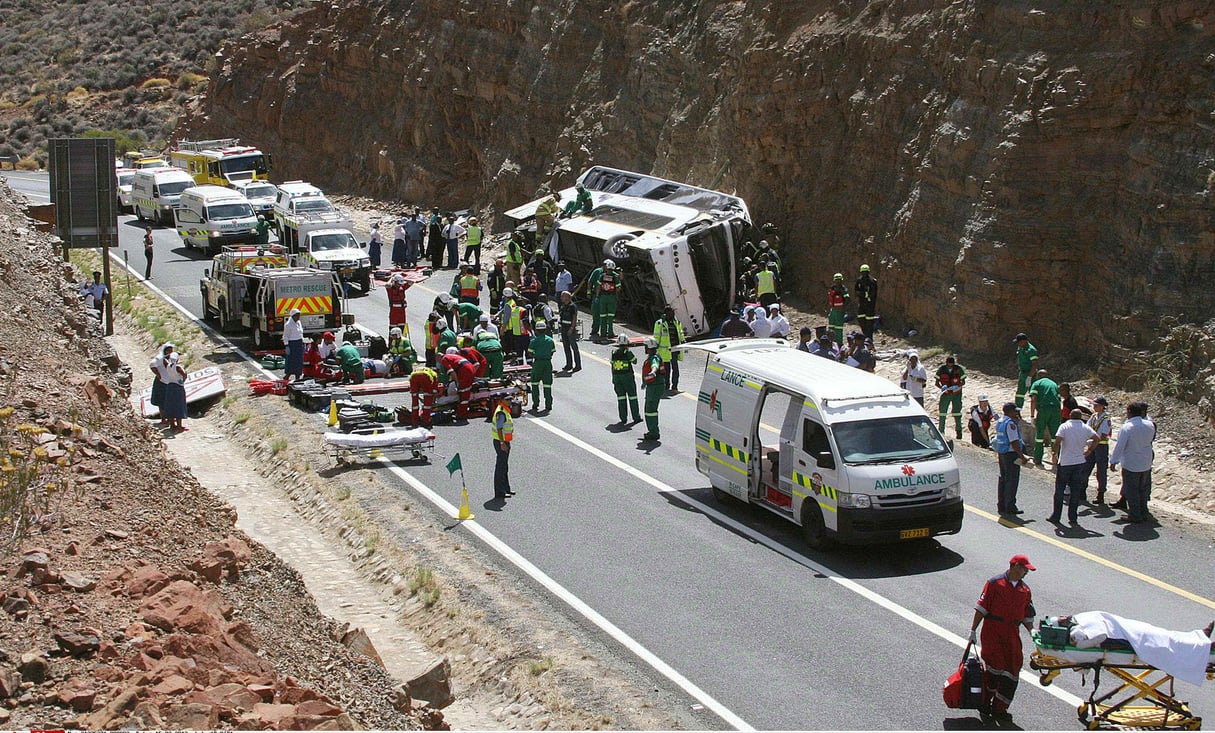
(1142, 698)
(379, 443)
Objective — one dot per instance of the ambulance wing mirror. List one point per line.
(825, 459)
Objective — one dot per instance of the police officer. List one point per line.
(651, 376)
(668, 331)
(541, 349)
(567, 312)
(624, 382)
(502, 428)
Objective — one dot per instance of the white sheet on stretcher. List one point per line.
(1183, 654)
(385, 439)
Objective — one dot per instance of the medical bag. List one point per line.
(964, 688)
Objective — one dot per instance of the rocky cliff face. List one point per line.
(1003, 165)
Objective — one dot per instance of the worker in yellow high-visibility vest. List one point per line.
(472, 242)
(502, 428)
(767, 285)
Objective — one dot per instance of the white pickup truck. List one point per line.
(317, 234)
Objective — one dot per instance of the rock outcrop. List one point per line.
(1002, 165)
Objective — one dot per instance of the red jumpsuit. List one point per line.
(463, 372)
(1004, 607)
(477, 358)
(396, 305)
(423, 384)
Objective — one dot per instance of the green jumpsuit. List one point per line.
(541, 349)
(950, 378)
(609, 288)
(352, 363)
(624, 382)
(467, 315)
(651, 376)
(403, 356)
(491, 347)
(1026, 356)
(1049, 407)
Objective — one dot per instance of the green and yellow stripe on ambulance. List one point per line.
(826, 496)
(720, 452)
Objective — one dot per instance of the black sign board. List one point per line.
(84, 191)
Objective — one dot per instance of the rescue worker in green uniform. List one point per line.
(490, 347)
(541, 349)
(866, 301)
(608, 289)
(1044, 410)
(581, 204)
(467, 315)
(951, 376)
(1027, 364)
(351, 361)
(592, 288)
(403, 355)
(837, 300)
(651, 377)
(546, 213)
(624, 382)
(263, 230)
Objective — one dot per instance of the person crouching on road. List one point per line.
(351, 361)
(1005, 604)
(981, 418)
(461, 371)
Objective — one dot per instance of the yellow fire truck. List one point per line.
(220, 161)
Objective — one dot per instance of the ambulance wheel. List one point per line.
(224, 323)
(813, 529)
(139, 213)
(258, 338)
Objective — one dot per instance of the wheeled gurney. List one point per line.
(1144, 697)
(380, 443)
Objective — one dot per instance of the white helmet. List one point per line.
(622, 340)
(484, 318)
(452, 350)
(651, 343)
(394, 331)
(609, 264)
(541, 326)
(508, 293)
(445, 298)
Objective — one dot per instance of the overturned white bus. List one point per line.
(677, 244)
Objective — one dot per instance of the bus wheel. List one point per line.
(813, 529)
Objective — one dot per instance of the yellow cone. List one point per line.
(333, 413)
(465, 512)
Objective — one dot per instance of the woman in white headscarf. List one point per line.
(158, 386)
(761, 326)
(174, 377)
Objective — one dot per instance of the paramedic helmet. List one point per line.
(622, 340)
(451, 350)
(838, 276)
(508, 293)
(541, 326)
(651, 343)
(609, 264)
(394, 332)
(864, 268)
(484, 318)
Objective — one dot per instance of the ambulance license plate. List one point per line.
(911, 534)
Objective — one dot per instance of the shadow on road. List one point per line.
(911, 558)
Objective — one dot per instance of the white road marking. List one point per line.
(503, 549)
(574, 602)
(798, 557)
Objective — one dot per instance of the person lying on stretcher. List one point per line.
(1184, 654)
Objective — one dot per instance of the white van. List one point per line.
(125, 177)
(212, 216)
(261, 196)
(156, 192)
(846, 454)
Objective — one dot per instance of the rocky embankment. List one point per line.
(1003, 166)
(134, 602)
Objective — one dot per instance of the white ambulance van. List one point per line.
(846, 454)
(157, 192)
(208, 217)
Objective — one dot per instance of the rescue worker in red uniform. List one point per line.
(396, 301)
(423, 384)
(1005, 604)
(462, 372)
(477, 358)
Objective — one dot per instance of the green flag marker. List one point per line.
(454, 465)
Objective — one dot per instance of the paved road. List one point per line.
(729, 597)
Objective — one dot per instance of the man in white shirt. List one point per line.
(565, 279)
(1074, 441)
(779, 324)
(484, 324)
(1134, 451)
(915, 376)
(451, 235)
(293, 339)
(97, 292)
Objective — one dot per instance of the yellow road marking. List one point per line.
(1094, 558)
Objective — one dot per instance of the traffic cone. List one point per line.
(333, 413)
(465, 512)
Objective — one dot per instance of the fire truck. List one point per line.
(220, 162)
(255, 288)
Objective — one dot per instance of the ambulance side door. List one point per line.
(815, 470)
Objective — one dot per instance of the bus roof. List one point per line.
(824, 381)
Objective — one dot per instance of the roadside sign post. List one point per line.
(126, 262)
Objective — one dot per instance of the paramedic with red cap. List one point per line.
(1005, 604)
